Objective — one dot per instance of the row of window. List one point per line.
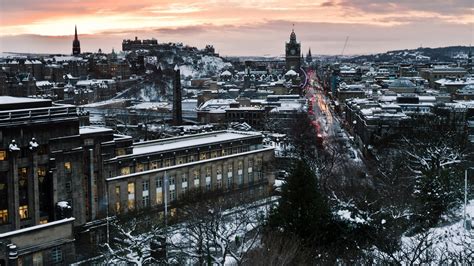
(142, 166)
(226, 180)
(42, 149)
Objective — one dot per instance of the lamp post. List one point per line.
(465, 196)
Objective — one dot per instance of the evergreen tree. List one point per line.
(302, 211)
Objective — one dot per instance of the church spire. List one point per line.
(76, 45)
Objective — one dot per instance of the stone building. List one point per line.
(38, 169)
(225, 161)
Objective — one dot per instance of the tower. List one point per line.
(76, 45)
(177, 109)
(293, 52)
(309, 57)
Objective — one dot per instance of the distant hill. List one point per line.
(441, 54)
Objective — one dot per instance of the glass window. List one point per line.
(117, 199)
(202, 156)
(38, 259)
(3, 216)
(181, 160)
(131, 196)
(3, 155)
(67, 167)
(120, 151)
(146, 185)
(23, 211)
(146, 201)
(140, 167)
(155, 164)
(125, 170)
(56, 255)
(159, 190)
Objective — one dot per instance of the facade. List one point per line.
(293, 53)
(38, 169)
(225, 161)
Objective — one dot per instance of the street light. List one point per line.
(465, 197)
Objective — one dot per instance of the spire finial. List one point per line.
(75, 32)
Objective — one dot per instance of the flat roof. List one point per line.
(92, 130)
(189, 141)
(15, 103)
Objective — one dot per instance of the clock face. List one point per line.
(293, 51)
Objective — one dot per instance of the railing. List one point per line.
(36, 113)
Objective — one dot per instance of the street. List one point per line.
(335, 139)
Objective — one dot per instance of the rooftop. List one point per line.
(15, 103)
(92, 130)
(184, 142)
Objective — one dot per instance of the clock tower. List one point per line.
(293, 53)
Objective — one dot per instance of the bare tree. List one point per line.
(215, 234)
(130, 238)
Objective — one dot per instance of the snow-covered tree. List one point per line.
(213, 234)
(130, 239)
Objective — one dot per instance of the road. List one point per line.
(328, 125)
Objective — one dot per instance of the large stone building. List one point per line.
(39, 168)
(224, 161)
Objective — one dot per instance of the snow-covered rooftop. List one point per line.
(92, 130)
(189, 141)
(18, 100)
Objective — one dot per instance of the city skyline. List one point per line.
(255, 28)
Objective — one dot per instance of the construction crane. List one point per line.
(345, 44)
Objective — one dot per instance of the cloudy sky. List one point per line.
(237, 27)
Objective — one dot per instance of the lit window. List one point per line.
(131, 196)
(140, 167)
(117, 199)
(45, 221)
(167, 162)
(23, 211)
(125, 170)
(159, 191)
(3, 216)
(41, 171)
(196, 177)
(3, 155)
(155, 165)
(120, 151)
(67, 167)
(202, 156)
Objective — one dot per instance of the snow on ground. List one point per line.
(452, 238)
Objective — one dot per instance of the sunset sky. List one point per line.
(237, 27)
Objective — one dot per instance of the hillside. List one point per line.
(441, 54)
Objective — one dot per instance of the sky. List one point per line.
(237, 27)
